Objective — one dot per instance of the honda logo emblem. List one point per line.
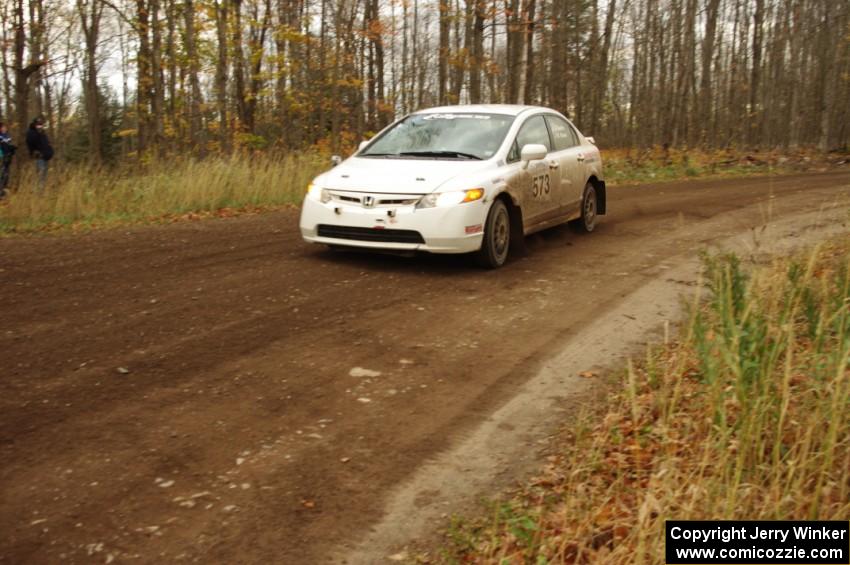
(368, 201)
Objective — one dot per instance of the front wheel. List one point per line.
(587, 221)
(497, 237)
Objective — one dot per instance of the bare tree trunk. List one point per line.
(22, 73)
(405, 74)
(420, 58)
(392, 91)
(283, 30)
(196, 137)
(444, 52)
(335, 87)
(601, 83)
(633, 89)
(221, 72)
(558, 66)
(826, 55)
(125, 86)
(171, 17)
(376, 50)
(528, 63)
(158, 102)
(36, 46)
(257, 38)
(688, 93)
(293, 54)
(755, 77)
(145, 79)
(513, 47)
(477, 52)
(239, 65)
(7, 81)
(460, 56)
(491, 74)
(705, 107)
(90, 12)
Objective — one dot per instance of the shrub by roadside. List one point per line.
(746, 417)
(633, 166)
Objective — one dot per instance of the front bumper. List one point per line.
(443, 230)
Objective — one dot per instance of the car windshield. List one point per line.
(442, 136)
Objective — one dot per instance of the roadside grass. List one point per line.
(747, 416)
(177, 188)
(636, 166)
(163, 191)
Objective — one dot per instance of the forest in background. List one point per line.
(139, 79)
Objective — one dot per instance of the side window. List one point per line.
(562, 133)
(513, 154)
(533, 131)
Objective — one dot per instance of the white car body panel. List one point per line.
(405, 176)
(371, 196)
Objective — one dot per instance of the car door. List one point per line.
(568, 152)
(539, 183)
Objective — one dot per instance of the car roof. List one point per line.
(508, 109)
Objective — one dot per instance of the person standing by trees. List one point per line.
(40, 149)
(7, 150)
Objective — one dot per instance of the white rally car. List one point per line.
(459, 179)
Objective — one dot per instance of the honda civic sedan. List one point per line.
(459, 179)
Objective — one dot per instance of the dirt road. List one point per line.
(186, 391)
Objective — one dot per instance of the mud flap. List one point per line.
(600, 197)
(517, 245)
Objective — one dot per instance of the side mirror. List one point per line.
(363, 145)
(532, 152)
(590, 139)
(336, 160)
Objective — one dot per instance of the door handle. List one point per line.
(554, 164)
(580, 158)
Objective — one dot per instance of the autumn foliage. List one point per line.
(139, 79)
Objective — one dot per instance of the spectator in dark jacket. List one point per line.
(40, 149)
(7, 150)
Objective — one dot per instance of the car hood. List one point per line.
(396, 176)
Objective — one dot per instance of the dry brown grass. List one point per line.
(171, 188)
(747, 417)
(77, 196)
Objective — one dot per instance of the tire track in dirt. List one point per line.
(239, 338)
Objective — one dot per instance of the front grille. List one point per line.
(378, 199)
(347, 198)
(398, 202)
(370, 234)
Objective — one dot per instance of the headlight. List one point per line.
(316, 193)
(442, 199)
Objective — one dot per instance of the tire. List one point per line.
(497, 237)
(587, 222)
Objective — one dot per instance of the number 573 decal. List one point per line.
(540, 186)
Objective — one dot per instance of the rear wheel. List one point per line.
(497, 237)
(587, 221)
